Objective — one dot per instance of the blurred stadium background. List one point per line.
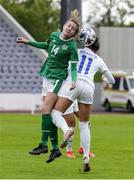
(20, 84)
(19, 66)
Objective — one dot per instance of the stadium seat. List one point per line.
(19, 65)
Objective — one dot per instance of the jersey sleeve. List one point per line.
(109, 77)
(74, 60)
(106, 72)
(73, 71)
(74, 53)
(103, 67)
(40, 45)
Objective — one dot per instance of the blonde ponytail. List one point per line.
(76, 19)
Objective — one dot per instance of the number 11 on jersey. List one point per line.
(82, 62)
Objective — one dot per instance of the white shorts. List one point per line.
(51, 86)
(73, 108)
(83, 92)
(45, 87)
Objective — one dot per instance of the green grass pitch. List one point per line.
(112, 142)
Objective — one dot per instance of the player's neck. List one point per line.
(64, 37)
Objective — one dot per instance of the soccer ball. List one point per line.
(87, 36)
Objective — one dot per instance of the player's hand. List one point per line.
(104, 82)
(73, 85)
(21, 40)
(104, 78)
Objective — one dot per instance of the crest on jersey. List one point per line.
(64, 47)
(53, 40)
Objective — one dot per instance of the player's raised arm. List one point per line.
(40, 45)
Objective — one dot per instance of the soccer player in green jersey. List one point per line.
(61, 48)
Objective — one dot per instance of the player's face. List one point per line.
(69, 29)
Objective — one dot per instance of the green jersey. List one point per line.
(60, 52)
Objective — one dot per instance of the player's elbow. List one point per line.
(112, 81)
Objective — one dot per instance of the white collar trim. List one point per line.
(65, 39)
